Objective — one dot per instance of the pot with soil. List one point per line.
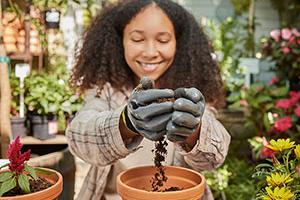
(23, 182)
(47, 187)
(181, 184)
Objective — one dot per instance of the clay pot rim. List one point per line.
(196, 187)
(58, 182)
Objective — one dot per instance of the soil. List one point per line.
(160, 151)
(35, 186)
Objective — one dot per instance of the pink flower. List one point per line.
(243, 102)
(275, 34)
(283, 124)
(285, 50)
(292, 40)
(297, 111)
(16, 158)
(295, 32)
(274, 80)
(283, 103)
(286, 33)
(298, 41)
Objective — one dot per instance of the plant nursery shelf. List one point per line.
(58, 139)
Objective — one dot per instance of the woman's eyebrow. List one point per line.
(140, 31)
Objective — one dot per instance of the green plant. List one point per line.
(259, 102)
(44, 94)
(279, 177)
(232, 180)
(228, 40)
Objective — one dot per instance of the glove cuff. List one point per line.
(127, 121)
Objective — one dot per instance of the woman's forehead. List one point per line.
(151, 18)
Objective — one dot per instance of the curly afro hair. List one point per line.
(101, 58)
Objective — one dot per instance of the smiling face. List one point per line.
(149, 43)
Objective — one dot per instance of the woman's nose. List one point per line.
(150, 50)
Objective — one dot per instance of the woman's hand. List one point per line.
(146, 113)
(186, 117)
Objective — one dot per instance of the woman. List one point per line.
(117, 126)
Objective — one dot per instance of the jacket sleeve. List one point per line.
(94, 136)
(211, 148)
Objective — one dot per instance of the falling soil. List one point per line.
(35, 186)
(160, 152)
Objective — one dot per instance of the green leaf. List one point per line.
(8, 185)
(5, 176)
(31, 171)
(24, 183)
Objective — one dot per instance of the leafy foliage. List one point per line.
(232, 180)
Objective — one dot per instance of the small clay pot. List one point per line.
(135, 184)
(50, 193)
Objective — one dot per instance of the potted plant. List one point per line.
(17, 122)
(44, 95)
(21, 181)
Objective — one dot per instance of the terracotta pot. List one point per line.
(135, 184)
(50, 193)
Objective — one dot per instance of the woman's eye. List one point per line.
(137, 40)
(163, 41)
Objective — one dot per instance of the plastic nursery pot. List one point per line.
(135, 184)
(18, 126)
(50, 193)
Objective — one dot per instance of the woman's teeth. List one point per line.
(149, 66)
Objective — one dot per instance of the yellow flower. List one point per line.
(280, 144)
(277, 179)
(278, 194)
(297, 151)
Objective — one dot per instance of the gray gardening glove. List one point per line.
(188, 110)
(147, 116)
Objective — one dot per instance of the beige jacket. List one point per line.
(94, 136)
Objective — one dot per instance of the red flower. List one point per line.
(15, 156)
(283, 103)
(274, 80)
(295, 97)
(297, 111)
(283, 124)
(266, 152)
